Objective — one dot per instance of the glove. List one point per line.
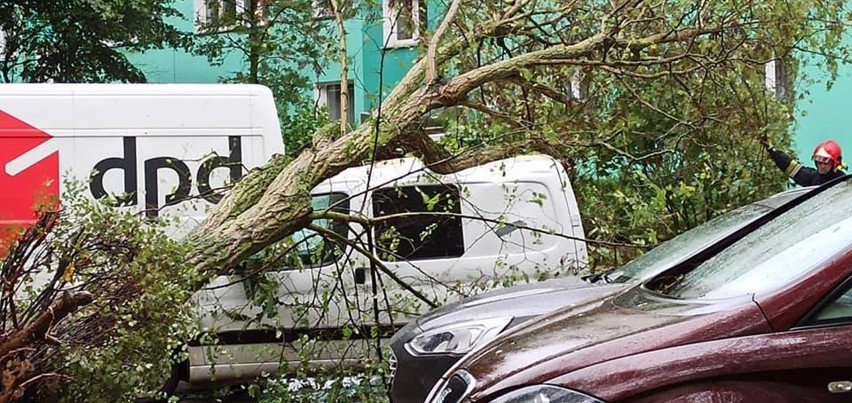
(764, 140)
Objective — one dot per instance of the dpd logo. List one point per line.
(152, 168)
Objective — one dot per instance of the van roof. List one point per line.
(23, 89)
(413, 170)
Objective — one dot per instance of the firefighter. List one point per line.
(827, 158)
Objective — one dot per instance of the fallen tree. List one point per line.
(653, 40)
(508, 63)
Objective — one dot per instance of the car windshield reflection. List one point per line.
(774, 254)
(683, 245)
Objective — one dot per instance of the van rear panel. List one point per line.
(161, 149)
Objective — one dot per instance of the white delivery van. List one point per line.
(482, 238)
(160, 148)
(166, 149)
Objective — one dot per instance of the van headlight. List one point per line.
(545, 394)
(457, 338)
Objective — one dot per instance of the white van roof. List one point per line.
(23, 89)
(414, 170)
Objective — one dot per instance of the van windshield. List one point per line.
(684, 245)
(773, 255)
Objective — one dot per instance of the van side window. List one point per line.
(313, 248)
(419, 236)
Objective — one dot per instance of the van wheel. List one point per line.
(179, 372)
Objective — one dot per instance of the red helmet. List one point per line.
(828, 151)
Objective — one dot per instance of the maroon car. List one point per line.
(766, 319)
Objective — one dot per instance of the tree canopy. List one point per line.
(82, 40)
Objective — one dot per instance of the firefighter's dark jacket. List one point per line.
(802, 175)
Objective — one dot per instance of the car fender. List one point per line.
(643, 373)
(735, 391)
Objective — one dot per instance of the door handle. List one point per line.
(840, 387)
(360, 275)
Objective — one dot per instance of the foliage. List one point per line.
(281, 44)
(299, 126)
(113, 348)
(655, 161)
(81, 40)
(660, 138)
(323, 389)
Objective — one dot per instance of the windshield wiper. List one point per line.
(597, 277)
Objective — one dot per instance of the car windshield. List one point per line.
(773, 255)
(682, 246)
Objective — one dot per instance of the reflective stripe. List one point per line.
(793, 169)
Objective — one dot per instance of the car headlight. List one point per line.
(457, 338)
(545, 394)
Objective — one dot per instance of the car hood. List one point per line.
(521, 302)
(600, 330)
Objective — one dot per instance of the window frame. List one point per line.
(391, 24)
(776, 75)
(458, 223)
(809, 321)
(321, 95)
(202, 14)
(322, 9)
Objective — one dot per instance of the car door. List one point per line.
(812, 362)
(826, 334)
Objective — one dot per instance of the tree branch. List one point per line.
(366, 221)
(339, 238)
(490, 112)
(542, 89)
(37, 330)
(431, 71)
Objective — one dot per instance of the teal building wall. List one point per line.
(820, 113)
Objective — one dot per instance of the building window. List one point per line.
(322, 9)
(223, 13)
(328, 95)
(403, 21)
(777, 77)
(420, 236)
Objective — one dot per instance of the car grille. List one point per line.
(392, 365)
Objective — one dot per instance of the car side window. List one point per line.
(314, 249)
(412, 235)
(837, 310)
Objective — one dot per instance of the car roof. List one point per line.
(779, 199)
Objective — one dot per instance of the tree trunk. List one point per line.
(337, 10)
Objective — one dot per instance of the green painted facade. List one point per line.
(820, 113)
(364, 44)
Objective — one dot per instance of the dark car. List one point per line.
(767, 318)
(424, 349)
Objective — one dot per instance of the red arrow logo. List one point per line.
(27, 179)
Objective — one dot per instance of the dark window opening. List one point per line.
(419, 236)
